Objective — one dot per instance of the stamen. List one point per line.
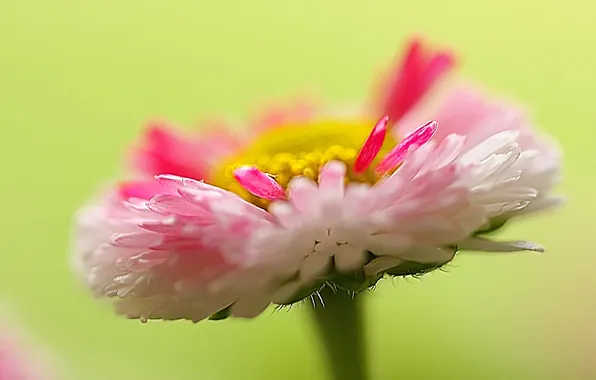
(372, 146)
(411, 143)
(258, 183)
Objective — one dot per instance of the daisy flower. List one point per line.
(18, 362)
(226, 223)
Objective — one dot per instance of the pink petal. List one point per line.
(408, 145)
(303, 194)
(179, 243)
(259, 184)
(135, 239)
(141, 189)
(167, 151)
(178, 225)
(411, 78)
(438, 65)
(179, 183)
(168, 204)
(170, 180)
(158, 261)
(372, 146)
(331, 179)
(198, 197)
(166, 227)
(142, 261)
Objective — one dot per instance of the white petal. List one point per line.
(494, 166)
(448, 150)
(381, 264)
(427, 254)
(285, 214)
(303, 195)
(285, 292)
(314, 266)
(497, 143)
(542, 204)
(354, 199)
(386, 244)
(479, 244)
(250, 306)
(513, 194)
(331, 180)
(349, 258)
(326, 246)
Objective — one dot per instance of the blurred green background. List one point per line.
(79, 78)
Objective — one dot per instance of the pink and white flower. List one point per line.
(17, 360)
(230, 225)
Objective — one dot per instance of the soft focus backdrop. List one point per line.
(79, 78)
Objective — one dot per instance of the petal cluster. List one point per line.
(425, 211)
(535, 159)
(173, 255)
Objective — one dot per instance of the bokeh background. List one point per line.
(79, 78)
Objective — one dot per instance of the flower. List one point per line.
(17, 362)
(231, 224)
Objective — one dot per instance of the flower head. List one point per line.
(17, 361)
(229, 228)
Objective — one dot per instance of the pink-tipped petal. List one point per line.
(372, 146)
(412, 77)
(438, 65)
(259, 184)
(163, 149)
(412, 142)
(331, 179)
(144, 189)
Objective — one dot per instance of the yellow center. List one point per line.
(301, 150)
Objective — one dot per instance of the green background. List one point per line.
(79, 78)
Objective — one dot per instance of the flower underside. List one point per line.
(302, 150)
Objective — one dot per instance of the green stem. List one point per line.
(340, 327)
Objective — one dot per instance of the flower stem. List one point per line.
(340, 327)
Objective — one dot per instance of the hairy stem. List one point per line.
(341, 330)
